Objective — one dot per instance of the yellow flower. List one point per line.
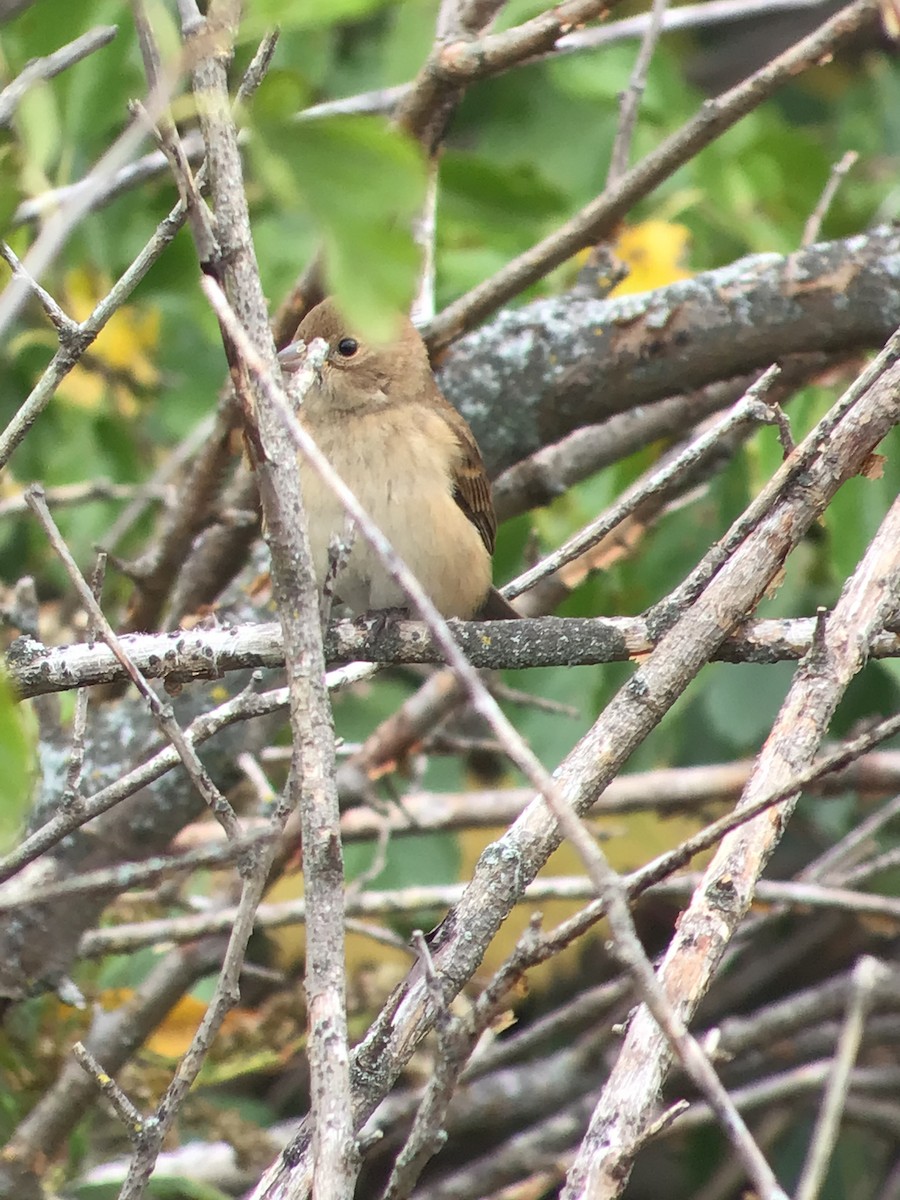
(118, 364)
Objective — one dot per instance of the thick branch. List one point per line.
(599, 218)
(38, 670)
(536, 373)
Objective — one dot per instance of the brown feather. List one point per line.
(471, 487)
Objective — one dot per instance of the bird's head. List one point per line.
(359, 374)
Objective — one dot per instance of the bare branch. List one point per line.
(65, 326)
(113, 1039)
(53, 64)
(687, 16)
(630, 100)
(839, 172)
(162, 713)
(598, 218)
(750, 408)
(311, 786)
(867, 974)
(867, 600)
(127, 937)
(201, 653)
(242, 707)
(71, 350)
(61, 223)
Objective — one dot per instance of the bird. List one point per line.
(378, 415)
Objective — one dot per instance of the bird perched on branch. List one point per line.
(377, 413)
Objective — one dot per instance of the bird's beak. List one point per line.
(292, 357)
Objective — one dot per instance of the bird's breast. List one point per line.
(400, 465)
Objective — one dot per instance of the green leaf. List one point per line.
(305, 14)
(364, 184)
(16, 758)
(9, 180)
(38, 126)
(161, 1187)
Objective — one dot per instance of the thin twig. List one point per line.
(839, 171)
(71, 350)
(72, 791)
(126, 937)
(866, 975)
(832, 865)
(69, 495)
(672, 860)
(64, 325)
(789, 470)
(113, 1038)
(61, 223)
(124, 876)
(750, 408)
(131, 1118)
(630, 99)
(162, 713)
(246, 705)
(51, 65)
(168, 137)
(225, 996)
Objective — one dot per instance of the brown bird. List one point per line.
(379, 416)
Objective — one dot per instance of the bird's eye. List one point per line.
(347, 347)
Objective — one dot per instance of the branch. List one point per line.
(37, 670)
(78, 339)
(687, 16)
(161, 712)
(717, 908)
(571, 361)
(73, 347)
(51, 65)
(548, 473)
(311, 785)
(866, 976)
(630, 98)
(129, 937)
(599, 218)
(459, 57)
(793, 504)
(60, 224)
(113, 1038)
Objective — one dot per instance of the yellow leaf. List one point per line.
(653, 252)
(632, 839)
(171, 1039)
(119, 362)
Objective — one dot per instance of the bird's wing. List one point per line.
(471, 486)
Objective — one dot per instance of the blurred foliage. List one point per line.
(370, 257)
(18, 742)
(525, 151)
